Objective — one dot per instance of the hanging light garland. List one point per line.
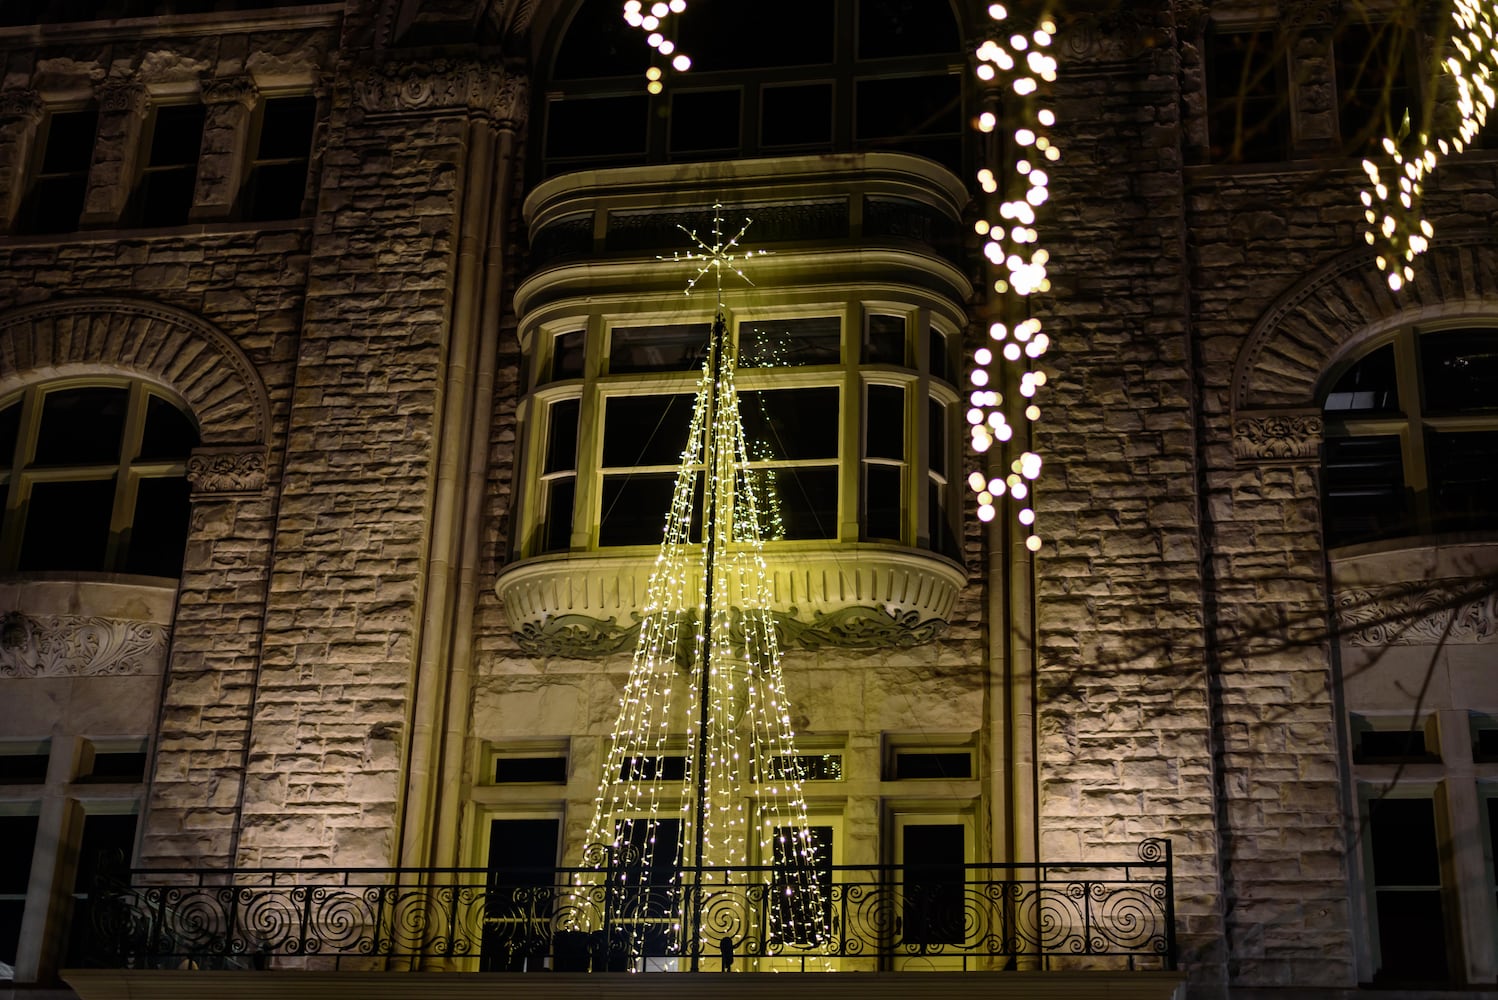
(1397, 226)
(708, 626)
(652, 22)
(1013, 246)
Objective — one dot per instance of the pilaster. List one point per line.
(20, 114)
(122, 111)
(230, 104)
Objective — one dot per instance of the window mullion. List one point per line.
(18, 487)
(127, 479)
(1412, 436)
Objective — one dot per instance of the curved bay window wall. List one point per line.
(843, 75)
(95, 479)
(847, 410)
(1412, 437)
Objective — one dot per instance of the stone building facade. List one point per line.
(298, 300)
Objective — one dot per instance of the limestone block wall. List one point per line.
(1124, 714)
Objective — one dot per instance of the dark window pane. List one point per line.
(904, 107)
(164, 197)
(1463, 480)
(705, 119)
(67, 525)
(127, 766)
(791, 423)
(81, 426)
(169, 433)
(177, 136)
(1370, 386)
(905, 28)
(55, 204)
(1365, 492)
(552, 770)
(884, 341)
(158, 537)
(936, 437)
(1379, 746)
(276, 191)
(664, 347)
(940, 361)
(635, 508)
(18, 833)
(1412, 937)
(104, 852)
(10, 427)
(933, 765)
(764, 487)
(799, 115)
(668, 768)
(884, 423)
(556, 531)
(11, 912)
(1460, 371)
(599, 43)
(1403, 836)
(777, 343)
(23, 768)
(70, 142)
(286, 128)
(934, 857)
(567, 355)
(1248, 108)
(561, 437)
(646, 430)
(725, 34)
(808, 502)
(802, 886)
(598, 126)
(522, 870)
(881, 501)
(943, 538)
(804, 767)
(1375, 85)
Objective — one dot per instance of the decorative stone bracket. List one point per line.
(1277, 437)
(227, 471)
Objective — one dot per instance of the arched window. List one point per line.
(95, 478)
(1412, 437)
(842, 75)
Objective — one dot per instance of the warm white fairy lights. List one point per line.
(652, 21)
(708, 628)
(1392, 208)
(1006, 374)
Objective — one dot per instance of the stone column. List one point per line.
(226, 126)
(122, 109)
(20, 113)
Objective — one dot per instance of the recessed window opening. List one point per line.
(1248, 104)
(164, 192)
(1376, 81)
(276, 185)
(55, 202)
(929, 764)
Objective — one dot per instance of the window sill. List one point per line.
(861, 596)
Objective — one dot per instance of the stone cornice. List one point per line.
(230, 471)
(443, 85)
(1462, 611)
(78, 646)
(1277, 437)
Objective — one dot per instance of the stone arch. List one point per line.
(1337, 307)
(160, 343)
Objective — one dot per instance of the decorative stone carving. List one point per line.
(23, 104)
(1420, 614)
(1279, 437)
(226, 470)
(1114, 35)
(857, 627)
(120, 96)
(78, 646)
(230, 90)
(442, 85)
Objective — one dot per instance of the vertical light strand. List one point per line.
(1393, 204)
(654, 23)
(1019, 65)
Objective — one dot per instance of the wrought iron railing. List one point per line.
(984, 916)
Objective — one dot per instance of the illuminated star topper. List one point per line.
(718, 255)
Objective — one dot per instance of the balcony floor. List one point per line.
(111, 984)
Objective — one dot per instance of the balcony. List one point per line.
(1037, 927)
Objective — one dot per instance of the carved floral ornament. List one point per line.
(23, 104)
(1281, 437)
(226, 471)
(443, 85)
(230, 90)
(1420, 614)
(78, 646)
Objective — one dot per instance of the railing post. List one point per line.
(1171, 955)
